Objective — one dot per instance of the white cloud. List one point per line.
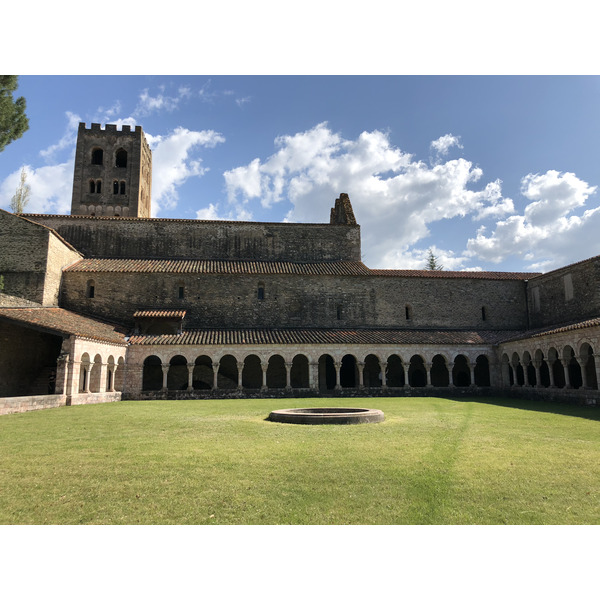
(442, 145)
(547, 233)
(68, 139)
(394, 197)
(173, 163)
(148, 104)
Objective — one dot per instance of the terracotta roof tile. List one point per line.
(208, 337)
(554, 329)
(61, 321)
(171, 314)
(451, 274)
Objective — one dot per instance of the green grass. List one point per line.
(433, 461)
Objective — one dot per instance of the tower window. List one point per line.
(92, 187)
(115, 187)
(181, 292)
(122, 188)
(483, 315)
(97, 156)
(408, 312)
(98, 186)
(121, 159)
(261, 291)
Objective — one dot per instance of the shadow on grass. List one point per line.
(556, 407)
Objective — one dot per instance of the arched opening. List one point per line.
(348, 372)
(586, 354)
(417, 375)
(152, 375)
(529, 368)
(327, 376)
(95, 374)
(98, 186)
(252, 373)
(177, 376)
(121, 158)
(482, 371)
(202, 377)
(84, 372)
(90, 290)
(276, 373)
(461, 374)
(92, 186)
(517, 369)
(395, 372)
(372, 372)
(558, 372)
(115, 187)
(122, 187)
(544, 371)
(439, 372)
(299, 373)
(97, 156)
(227, 378)
(110, 373)
(575, 378)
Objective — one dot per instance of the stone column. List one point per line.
(450, 368)
(582, 361)
(597, 367)
(165, 370)
(361, 375)
(537, 365)
(515, 367)
(102, 382)
(406, 366)
(190, 386)
(240, 369)
(383, 367)
(551, 373)
(505, 374)
(313, 375)
(472, 372)
(565, 364)
(428, 366)
(525, 375)
(338, 366)
(111, 371)
(288, 375)
(264, 367)
(215, 368)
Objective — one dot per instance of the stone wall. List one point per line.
(303, 301)
(568, 294)
(209, 240)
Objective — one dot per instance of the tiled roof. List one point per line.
(237, 267)
(451, 274)
(208, 337)
(170, 314)
(61, 321)
(554, 329)
(249, 267)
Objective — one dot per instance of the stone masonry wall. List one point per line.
(555, 303)
(303, 301)
(210, 240)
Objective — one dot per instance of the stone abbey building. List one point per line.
(108, 303)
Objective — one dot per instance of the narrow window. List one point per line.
(122, 190)
(407, 312)
(261, 291)
(98, 186)
(181, 292)
(115, 187)
(97, 156)
(92, 187)
(91, 288)
(121, 159)
(483, 315)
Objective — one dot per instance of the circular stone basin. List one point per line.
(327, 416)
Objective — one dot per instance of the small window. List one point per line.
(261, 291)
(115, 187)
(121, 159)
(97, 156)
(98, 186)
(483, 315)
(122, 188)
(408, 312)
(568, 281)
(181, 292)
(92, 187)
(91, 289)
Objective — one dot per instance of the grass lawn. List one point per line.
(432, 461)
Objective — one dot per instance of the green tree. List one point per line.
(433, 263)
(13, 120)
(21, 198)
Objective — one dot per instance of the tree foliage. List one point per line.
(433, 263)
(21, 198)
(13, 120)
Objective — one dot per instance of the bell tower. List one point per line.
(113, 172)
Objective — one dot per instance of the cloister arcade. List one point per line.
(97, 376)
(568, 366)
(186, 370)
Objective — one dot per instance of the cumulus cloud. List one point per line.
(68, 139)
(173, 163)
(442, 145)
(148, 104)
(548, 233)
(394, 197)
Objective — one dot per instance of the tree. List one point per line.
(13, 120)
(433, 262)
(21, 198)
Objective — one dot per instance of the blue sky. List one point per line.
(492, 172)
